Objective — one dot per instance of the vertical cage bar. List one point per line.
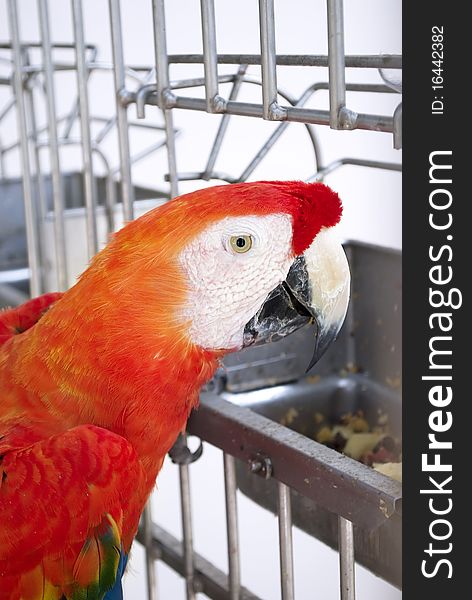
(232, 527)
(30, 216)
(127, 191)
(187, 531)
(210, 62)
(271, 109)
(30, 109)
(223, 124)
(82, 78)
(150, 564)
(336, 62)
(160, 51)
(171, 153)
(285, 542)
(2, 163)
(346, 559)
(57, 192)
(164, 93)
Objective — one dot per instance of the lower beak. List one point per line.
(316, 290)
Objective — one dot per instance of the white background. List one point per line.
(372, 212)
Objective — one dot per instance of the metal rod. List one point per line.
(141, 97)
(127, 190)
(336, 66)
(232, 527)
(187, 531)
(214, 102)
(397, 127)
(375, 61)
(359, 162)
(223, 126)
(143, 153)
(346, 559)
(64, 45)
(31, 111)
(171, 153)
(363, 61)
(150, 564)
(160, 53)
(131, 71)
(261, 154)
(110, 202)
(3, 173)
(276, 135)
(164, 94)
(6, 109)
(30, 217)
(294, 113)
(193, 176)
(359, 121)
(57, 192)
(74, 112)
(271, 109)
(211, 581)
(198, 81)
(89, 182)
(109, 124)
(285, 542)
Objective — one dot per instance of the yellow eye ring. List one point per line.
(240, 243)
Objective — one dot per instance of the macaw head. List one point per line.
(247, 263)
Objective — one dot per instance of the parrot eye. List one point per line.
(240, 243)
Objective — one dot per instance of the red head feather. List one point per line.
(311, 206)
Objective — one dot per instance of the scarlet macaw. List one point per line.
(96, 383)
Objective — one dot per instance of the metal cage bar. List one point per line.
(234, 567)
(270, 108)
(187, 534)
(90, 191)
(285, 542)
(127, 190)
(336, 64)
(346, 559)
(57, 194)
(214, 102)
(31, 110)
(223, 126)
(164, 95)
(150, 559)
(30, 216)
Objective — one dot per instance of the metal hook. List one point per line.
(181, 454)
(141, 97)
(397, 127)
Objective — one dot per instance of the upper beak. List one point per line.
(316, 290)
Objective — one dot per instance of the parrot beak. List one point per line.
(316, 290)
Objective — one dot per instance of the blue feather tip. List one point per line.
(116, 592)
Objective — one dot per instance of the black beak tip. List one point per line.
(313, 361)
(323, 341)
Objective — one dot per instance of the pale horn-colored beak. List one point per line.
(321, 283)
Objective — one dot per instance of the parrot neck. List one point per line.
(119, 363)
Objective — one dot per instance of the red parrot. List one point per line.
(96, 383)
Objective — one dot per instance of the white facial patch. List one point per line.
(226, 288)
